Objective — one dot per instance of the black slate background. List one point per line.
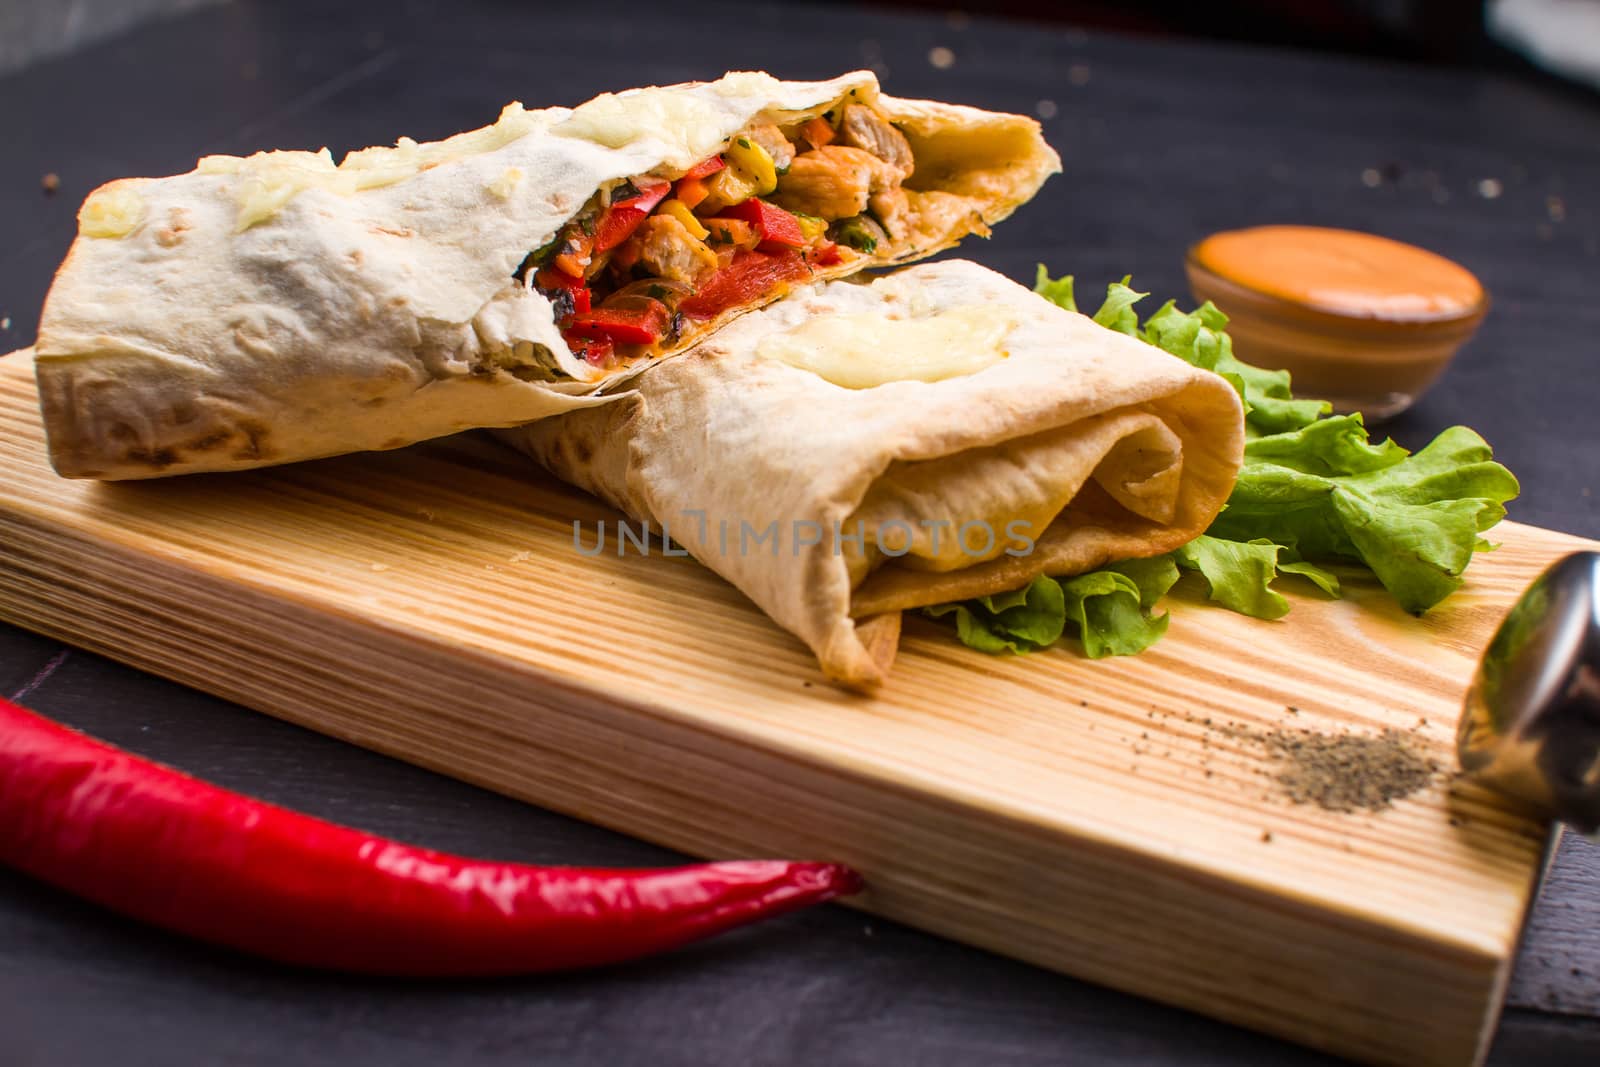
(1163, 142)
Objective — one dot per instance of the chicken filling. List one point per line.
(648, 259)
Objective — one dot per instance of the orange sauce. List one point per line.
(1343, 272)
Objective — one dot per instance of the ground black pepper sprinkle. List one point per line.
(1348, 772)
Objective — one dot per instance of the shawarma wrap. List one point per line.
(940, 433)
(279, 307)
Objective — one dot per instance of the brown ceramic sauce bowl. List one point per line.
(1359, 320)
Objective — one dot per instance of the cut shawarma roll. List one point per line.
(936, 434)
(280, 307)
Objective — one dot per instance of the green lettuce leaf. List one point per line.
(1019, 621)
(1108, 611)
(1116, 312)
(1324, 580)
(1111, 607)
(1058, 292)
(1153, 577)
(1239, 574)
(1414, 520)
(1198, 337)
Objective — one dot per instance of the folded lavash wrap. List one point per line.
(278, 307)
(1045, 443)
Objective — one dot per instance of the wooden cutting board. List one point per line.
(1114, 820)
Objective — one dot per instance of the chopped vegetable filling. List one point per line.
(734, 231)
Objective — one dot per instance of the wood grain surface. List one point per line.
(1115, 820)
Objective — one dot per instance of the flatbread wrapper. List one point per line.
(279, 307)
(1066, 447)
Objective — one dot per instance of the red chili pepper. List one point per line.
(168, 849)
(625, 326)
(553, 280)
(624, 216)
(704, 169)
(778, 228)
(750, 278)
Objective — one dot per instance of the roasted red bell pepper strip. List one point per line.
(649, 193)
(825, 254)
(624, 326)
(597, 352)
(619, 221)
(778, 228)
(554, 281)
(147, 841)
(751, 278)
(616, 226)
(704, 169)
